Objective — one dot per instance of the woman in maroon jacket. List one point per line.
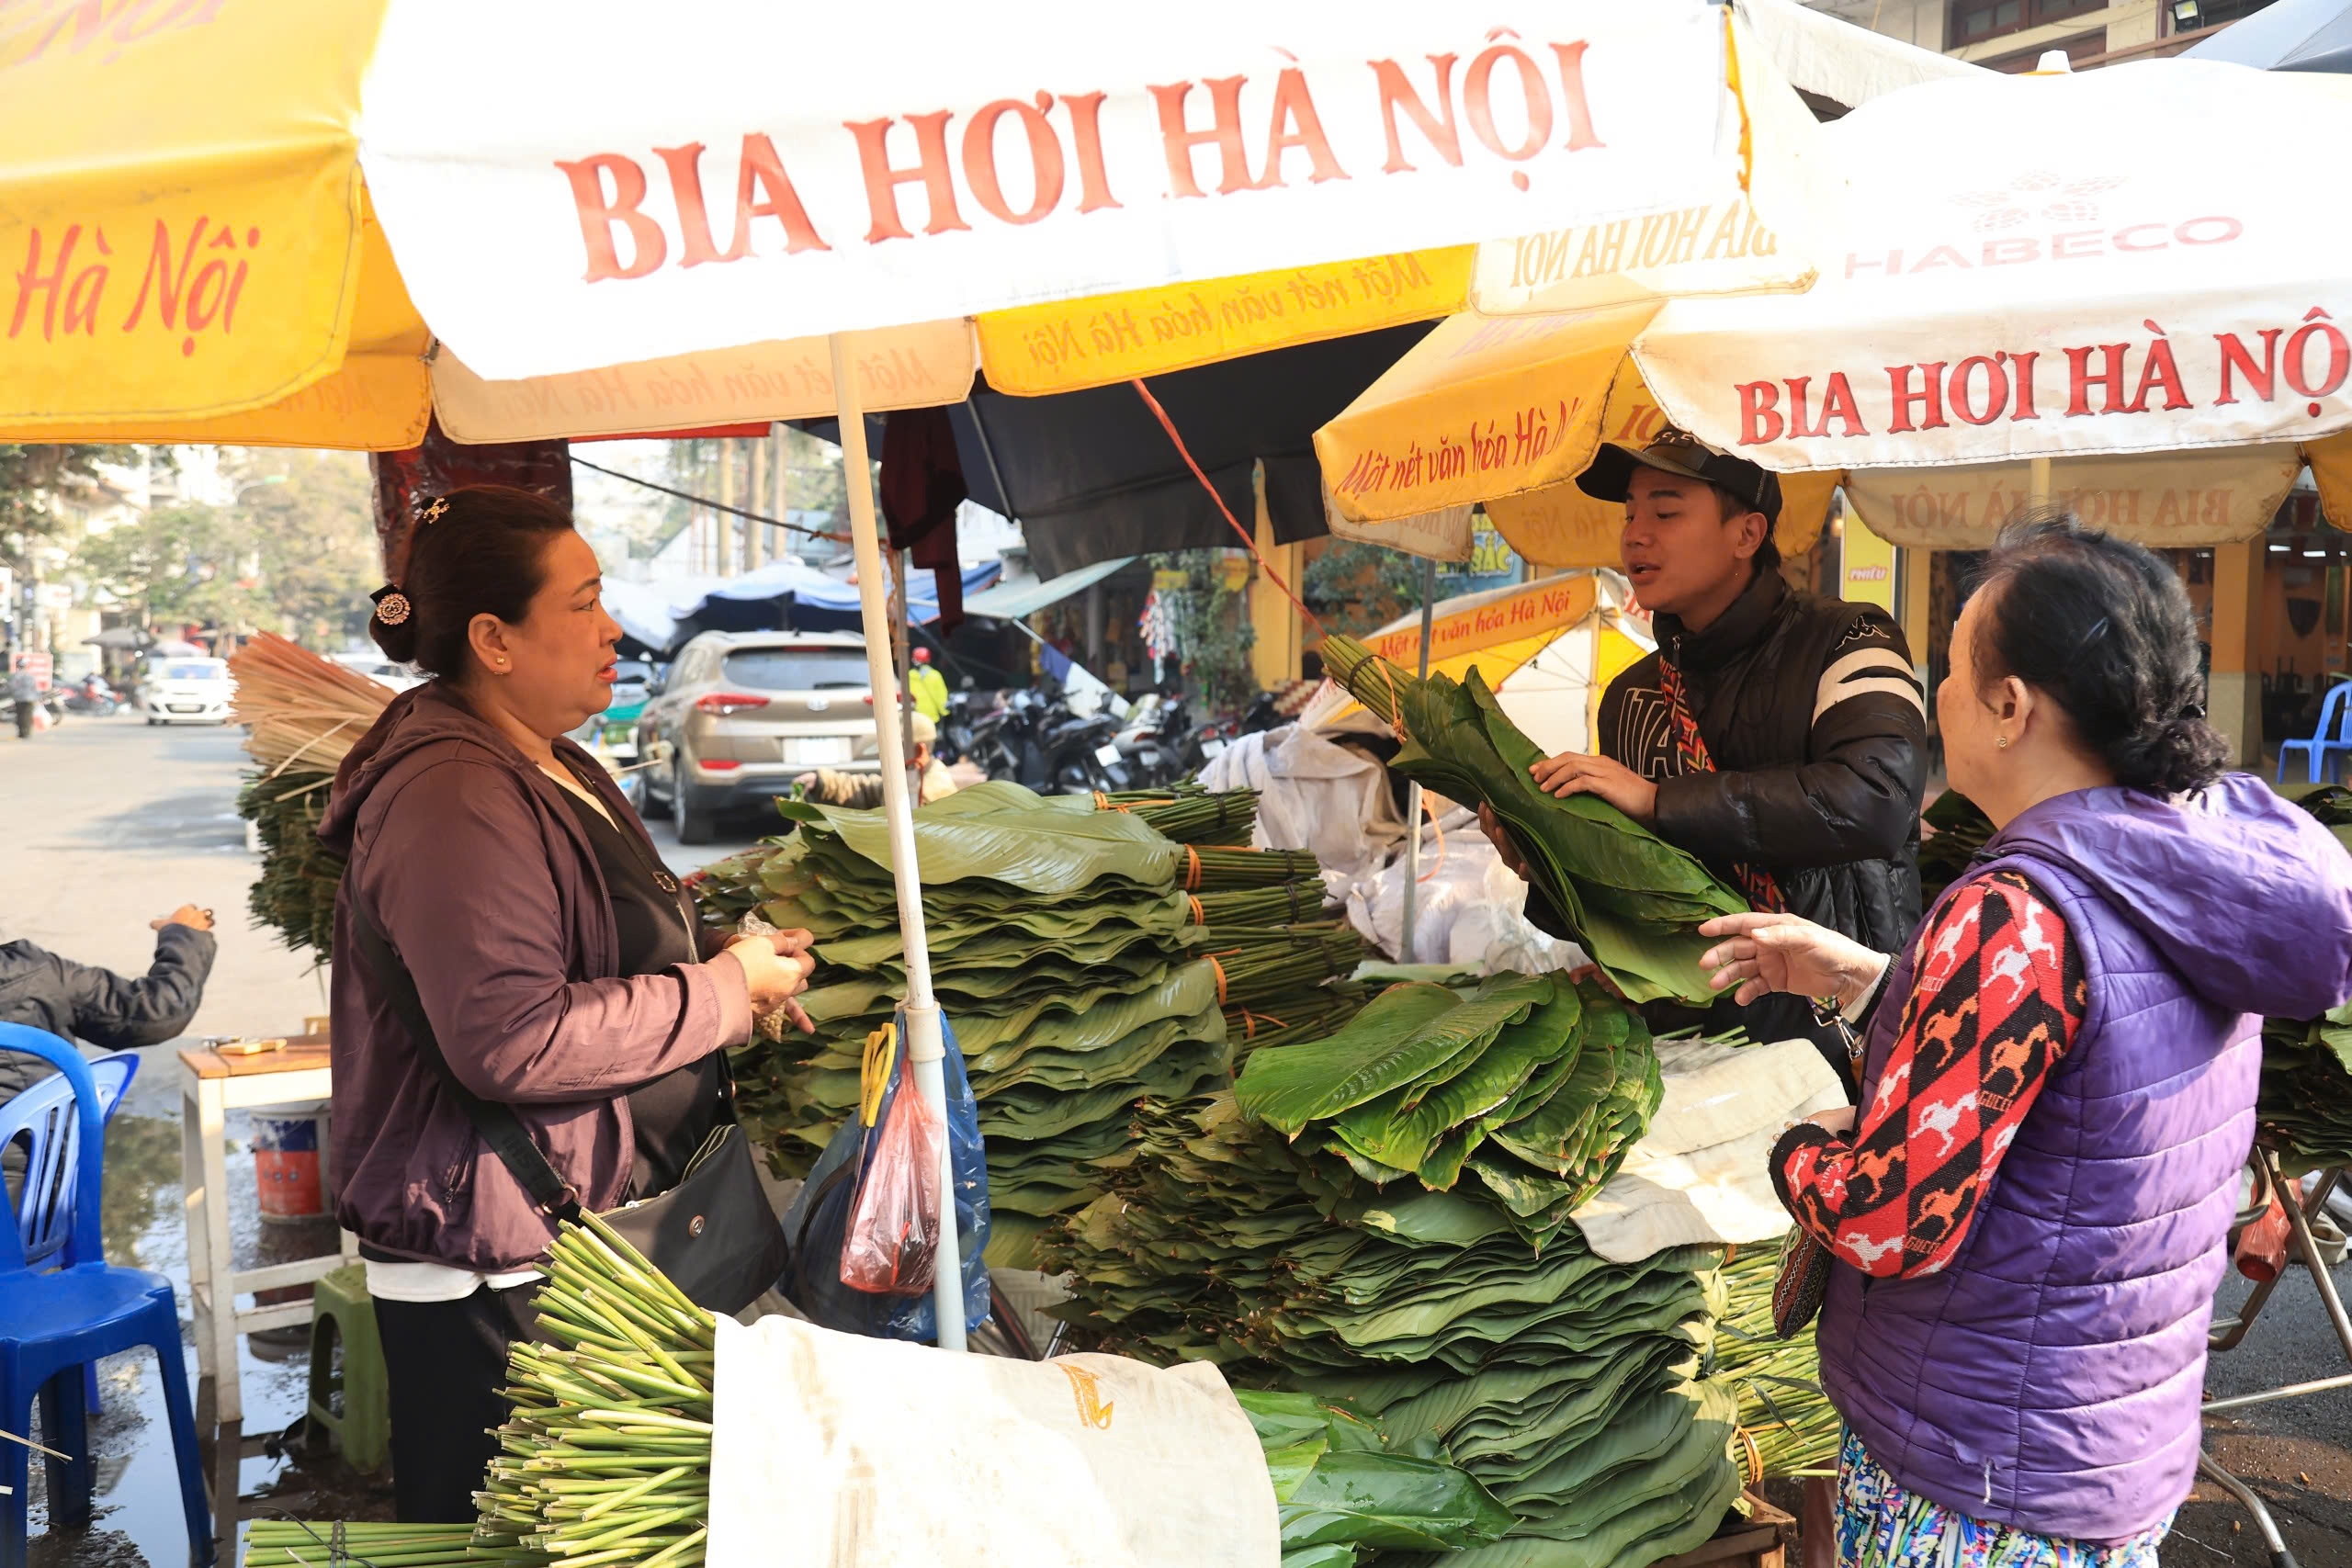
(561, 966)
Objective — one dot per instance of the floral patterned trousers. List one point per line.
(1881, 1525)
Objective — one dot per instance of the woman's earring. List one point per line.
(2001, 741)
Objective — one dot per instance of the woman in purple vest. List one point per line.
(2028, 1223)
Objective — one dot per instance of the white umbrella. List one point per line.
(2066, 281)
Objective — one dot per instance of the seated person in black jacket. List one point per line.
(1779, 737)
(82, 1001)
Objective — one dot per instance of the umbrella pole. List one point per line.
(1413, 794)
(925, 1047)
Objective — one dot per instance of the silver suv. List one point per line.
(742, 715)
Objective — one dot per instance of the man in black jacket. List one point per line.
(1779, 737)
(82, 1001)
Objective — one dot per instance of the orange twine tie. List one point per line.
(1191, 868)
(1199, 918)
(1217, 969)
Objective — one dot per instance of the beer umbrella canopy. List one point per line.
(2158, 324)
(278, 222)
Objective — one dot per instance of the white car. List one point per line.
(381, 670)
(188, 691)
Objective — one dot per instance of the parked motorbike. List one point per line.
(1152, 743)
(95, 698)
(954, 742)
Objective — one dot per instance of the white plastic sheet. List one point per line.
(1313, 793)
(836, 1451)
(1700, 1174)
(1469, 911)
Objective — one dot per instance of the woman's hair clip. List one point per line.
(391, 606)
(433, 513)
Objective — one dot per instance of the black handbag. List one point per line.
(714, 1234)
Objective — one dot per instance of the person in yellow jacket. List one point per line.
(928, 687)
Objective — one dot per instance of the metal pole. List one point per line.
(1413, 796)
(925, 1045)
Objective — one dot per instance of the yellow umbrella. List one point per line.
(193, 256)
(1548, 649)
(1507, 410)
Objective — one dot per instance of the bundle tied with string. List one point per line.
(303, 714)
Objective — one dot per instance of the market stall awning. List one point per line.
(195, 255)
(2062, 281)
(1091, 475)
(2154, 331)
(1014, 600)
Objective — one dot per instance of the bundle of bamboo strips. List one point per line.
(303, 711)
(303, 714)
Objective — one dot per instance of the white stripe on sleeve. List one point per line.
(1863, 671)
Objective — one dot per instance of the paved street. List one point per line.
(110, 823)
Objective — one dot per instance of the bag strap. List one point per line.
(497, 1125)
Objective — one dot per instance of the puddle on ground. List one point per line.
(137, 1516)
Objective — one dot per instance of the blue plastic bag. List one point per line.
(818, 1217)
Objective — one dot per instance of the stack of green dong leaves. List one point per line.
(1534, 1088)
(1085, 958)
(1344, 1485)
(2305, 1105)
(1633, 900)
(1568, 1386)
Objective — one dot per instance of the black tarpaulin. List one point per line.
(1093, 475)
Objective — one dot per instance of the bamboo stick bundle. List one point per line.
(304, 711)
(302, 714)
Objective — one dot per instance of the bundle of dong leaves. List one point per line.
(1535, 1089)
(2306, 1100)
(607, 1457)
(1086, 959)
(1568, 1386)
(1633, 900)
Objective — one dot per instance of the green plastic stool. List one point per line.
(344, 1313)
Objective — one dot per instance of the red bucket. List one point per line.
(286, 1163)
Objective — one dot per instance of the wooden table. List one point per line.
(212, 1082)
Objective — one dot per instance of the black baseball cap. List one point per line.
(1674, 451)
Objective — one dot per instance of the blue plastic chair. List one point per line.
(43, 1119)
(2329, 740)
(54, 1324)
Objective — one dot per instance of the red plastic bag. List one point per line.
(891, 1247)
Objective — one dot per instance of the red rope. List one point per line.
(1185, 452)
